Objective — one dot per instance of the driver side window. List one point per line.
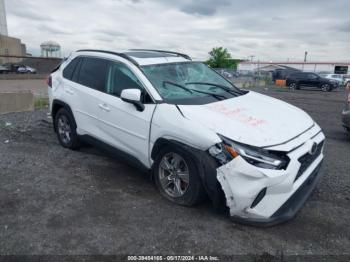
(119, 78)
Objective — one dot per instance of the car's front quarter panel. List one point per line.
(169, 123)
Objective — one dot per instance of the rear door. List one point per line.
(313, 80)
(122, 126)
(88, 80)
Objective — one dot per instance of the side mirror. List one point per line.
(133, 96)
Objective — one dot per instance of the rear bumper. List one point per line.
(290, 208)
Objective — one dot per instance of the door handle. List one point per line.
(104, 107)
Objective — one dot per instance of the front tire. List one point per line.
(176, 176)
(66, 129)
(293, 86)
(326, 88)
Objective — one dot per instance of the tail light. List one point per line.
(49, 81)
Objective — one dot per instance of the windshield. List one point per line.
(189, 83)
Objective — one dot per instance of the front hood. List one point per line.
(252, 119)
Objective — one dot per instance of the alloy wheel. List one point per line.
(173, 175)
(64, 129)
(325, 87)
(293, 86)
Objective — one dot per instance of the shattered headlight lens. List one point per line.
(228, 150)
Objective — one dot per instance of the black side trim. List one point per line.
(112, 53)
(290, 208)
(114, 152)
(259, 197)
(56, 105)
(206, 165)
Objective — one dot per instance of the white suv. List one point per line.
(256, 156)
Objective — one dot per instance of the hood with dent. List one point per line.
(252, 119)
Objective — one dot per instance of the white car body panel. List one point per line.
(169, 123)
(251, 119)
(125, 128)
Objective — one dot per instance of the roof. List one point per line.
(140, 57)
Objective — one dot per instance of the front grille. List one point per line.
(307, 159)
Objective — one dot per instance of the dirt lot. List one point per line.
(56, 201)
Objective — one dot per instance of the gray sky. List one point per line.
(268, 29)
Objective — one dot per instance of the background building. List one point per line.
(3, 22)
(9, 46)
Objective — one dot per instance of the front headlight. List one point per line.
(228, 150)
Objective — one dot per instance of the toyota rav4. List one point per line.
(255, 157)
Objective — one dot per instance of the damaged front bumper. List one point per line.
(265, 197)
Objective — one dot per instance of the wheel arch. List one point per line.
(56, 106)
(206, 166)
(162, 142)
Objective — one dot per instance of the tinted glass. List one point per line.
(171, 80)
(69, 69)
(312, 76)
(93, 73)
(119, 78)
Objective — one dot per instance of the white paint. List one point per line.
(131, 94)
(252, 119)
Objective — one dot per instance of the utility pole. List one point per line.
(251, 58)
(305, 59)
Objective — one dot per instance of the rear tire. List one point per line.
(293, 86)
(66, 129)
(176, 176)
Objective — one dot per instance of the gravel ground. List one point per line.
(56, 201)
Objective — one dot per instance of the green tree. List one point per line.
(221, 58)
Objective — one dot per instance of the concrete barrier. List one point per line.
(22, 76)
(16, 102)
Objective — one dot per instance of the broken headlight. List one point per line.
(228, 150)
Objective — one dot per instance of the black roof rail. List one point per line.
(112, 53)
(164, 51)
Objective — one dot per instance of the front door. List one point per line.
(121, 124)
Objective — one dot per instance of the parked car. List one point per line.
(342, 80)
(346, 115)
(335, 77)
(4, 70)
(304, 79)
(346, 80)
(22, 69)
(195, 132)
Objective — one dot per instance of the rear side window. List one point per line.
(93, 73)
(70, 68)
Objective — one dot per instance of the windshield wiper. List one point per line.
(190, 90)
(225, 88)
(218, 97)
(178, 85)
